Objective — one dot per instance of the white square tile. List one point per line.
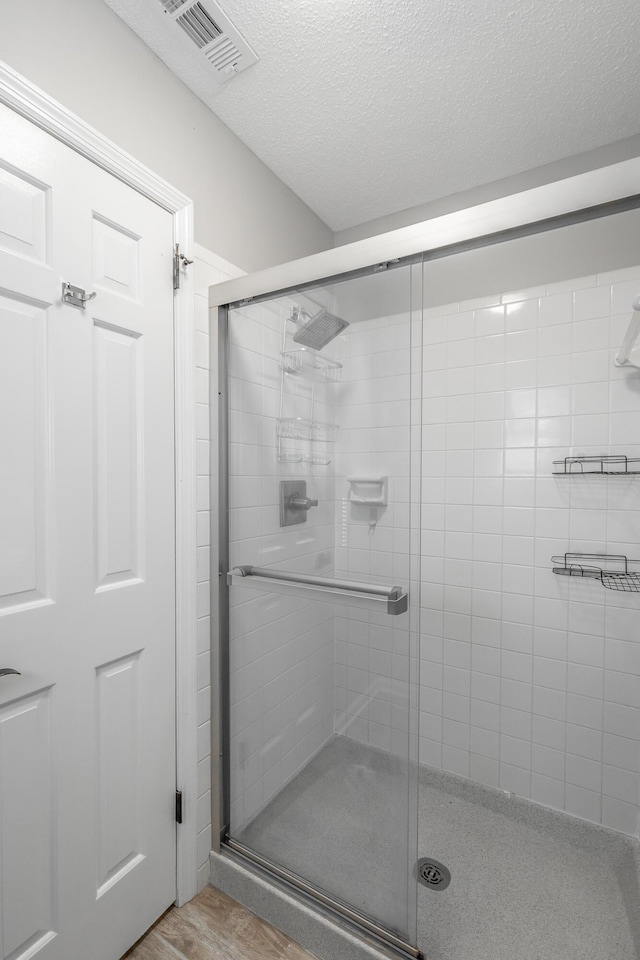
(586, 649)
(585, 711)
(521, 345)
(515, 723)
(556, 340)
(621, 752)
(583, 803)
(584, 742)
(548, 762)
(554, 401)
(522, 315)
(517, 666)
(455, 734)
(455, 760)
(592, 302)
(621, 784)
(489, 321)
(548, 792)
(517, 611)
(556, 309)
(548, 732)
(622, 656)
(515, 752)
(485, 714)
(620, 816)
(516, 694)
(550, 673)
(484, 769)
(622, 296)
(515, 780)
(520, 403)
(485, 687)
(549, 703)
(622, 688)
(585, 680)
(489, 406)
(520, 374)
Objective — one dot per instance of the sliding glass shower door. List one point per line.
(320, 600)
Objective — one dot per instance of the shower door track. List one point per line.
(335, 909)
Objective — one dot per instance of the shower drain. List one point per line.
(433, 874)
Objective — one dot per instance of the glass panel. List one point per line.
(323, 688)
(530, 730)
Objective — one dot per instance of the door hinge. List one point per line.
(177, 259)
(178, 806)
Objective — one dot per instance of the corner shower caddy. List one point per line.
(306, 439)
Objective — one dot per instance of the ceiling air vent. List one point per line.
(213, 33)
(172, 5)
(199, 25)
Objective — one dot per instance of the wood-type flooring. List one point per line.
(215, 927)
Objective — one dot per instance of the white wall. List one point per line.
(80, 53)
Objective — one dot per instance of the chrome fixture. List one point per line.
(294, 502)
(76, 296)
(350, 592)
(318, 330)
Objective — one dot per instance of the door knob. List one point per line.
(5, 671)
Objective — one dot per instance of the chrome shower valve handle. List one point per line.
(302, 503)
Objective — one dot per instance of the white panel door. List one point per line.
(87, 559)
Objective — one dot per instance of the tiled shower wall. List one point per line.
(531, 681)
(209, 269)
(372, 650)
(281, 647)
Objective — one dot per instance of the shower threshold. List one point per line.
(334, 909)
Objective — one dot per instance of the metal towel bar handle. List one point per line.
(397, 599)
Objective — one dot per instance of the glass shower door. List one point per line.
(322, 610)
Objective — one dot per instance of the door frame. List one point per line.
(20, 95)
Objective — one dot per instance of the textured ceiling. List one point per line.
(368, 107)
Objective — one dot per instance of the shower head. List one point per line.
(319, 329)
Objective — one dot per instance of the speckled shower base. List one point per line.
(527, 883)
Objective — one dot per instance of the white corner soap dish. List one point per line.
(368, 491)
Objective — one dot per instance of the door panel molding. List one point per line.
(19, 94)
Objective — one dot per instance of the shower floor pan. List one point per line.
(526, 882)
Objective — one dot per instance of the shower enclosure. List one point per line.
(428, 701)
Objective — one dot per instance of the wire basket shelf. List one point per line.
(606, 466)
(297, 428)
(595, 566)
(310, 366)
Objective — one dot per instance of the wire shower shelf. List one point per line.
(577, 565)
(607, 466)
(310, 365)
